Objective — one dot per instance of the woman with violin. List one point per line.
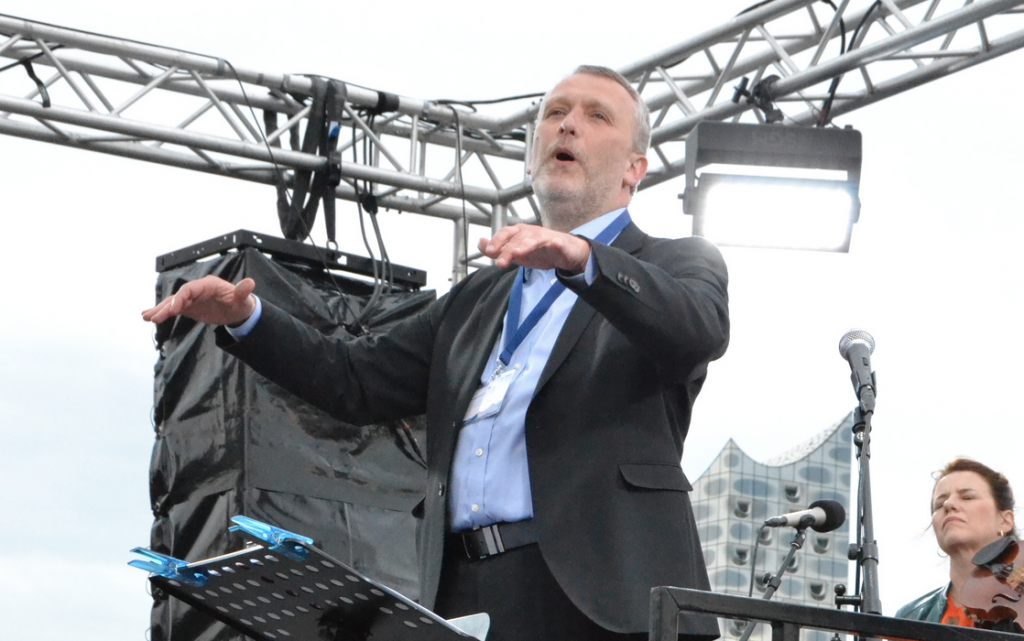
(972, 517)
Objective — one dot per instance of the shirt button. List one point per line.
(479, 451)
(476, 508)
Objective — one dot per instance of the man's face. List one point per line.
(583, 162)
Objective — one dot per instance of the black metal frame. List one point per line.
(787, 619)
(317, 257)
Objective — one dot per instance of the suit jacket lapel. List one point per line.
(472, 348)
(630, 240)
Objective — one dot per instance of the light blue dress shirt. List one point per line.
(490, 480)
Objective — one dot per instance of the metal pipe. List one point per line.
(838, 66)
(67, 76)
(220, 68)
(152, 84)
(254, 151)
(220, 107)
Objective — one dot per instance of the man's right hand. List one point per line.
(210, 299)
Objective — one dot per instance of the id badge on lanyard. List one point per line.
(488, 399)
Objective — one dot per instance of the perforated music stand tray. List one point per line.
(272, 596)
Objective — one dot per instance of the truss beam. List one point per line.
(202, 113)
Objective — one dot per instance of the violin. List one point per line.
(993, 595)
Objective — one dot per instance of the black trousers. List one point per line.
(519, 593)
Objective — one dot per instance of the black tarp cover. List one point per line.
(230, 442)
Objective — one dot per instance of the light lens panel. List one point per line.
(774, 212)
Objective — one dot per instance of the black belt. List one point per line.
(495, 539)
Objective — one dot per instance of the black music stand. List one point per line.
(292, 591)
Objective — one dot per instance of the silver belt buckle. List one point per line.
(491, 540)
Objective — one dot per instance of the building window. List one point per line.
(765, 536)
(821, 543)
(792, 492)
(817, 590)
(740, 554)
(741, 507)
(709, 556)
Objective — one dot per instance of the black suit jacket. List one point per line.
(604, 432)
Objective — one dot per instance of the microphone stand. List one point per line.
(865, 551)
(774, 581)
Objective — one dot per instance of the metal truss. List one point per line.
(464, 162)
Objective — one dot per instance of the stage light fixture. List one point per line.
(789, 187)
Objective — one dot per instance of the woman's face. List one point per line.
(965, 517)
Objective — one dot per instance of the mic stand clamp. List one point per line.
(774, 582)
(842, 599)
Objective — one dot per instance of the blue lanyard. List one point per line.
(515, 300)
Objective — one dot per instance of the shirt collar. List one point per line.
(594, 227)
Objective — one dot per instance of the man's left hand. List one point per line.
(537, 247)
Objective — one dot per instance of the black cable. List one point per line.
(754, 6)
(263, 136)
(387, 274)
(26, 62)
(248, 104)
(842, 27)
(318, 75)
(280, 176)
(374, 300)
(277, 168)
(422, 459)
(388, 271)
(753, 561)
(471, 103)
(22, 61)
(441, 101)
(826, 105)
(371, 304)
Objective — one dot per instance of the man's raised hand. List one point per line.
(210, 299)
(536, 248)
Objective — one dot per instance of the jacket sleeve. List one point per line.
(360, 381)
(670, 301)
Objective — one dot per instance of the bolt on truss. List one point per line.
(466, 163)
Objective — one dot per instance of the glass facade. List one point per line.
(736, 494)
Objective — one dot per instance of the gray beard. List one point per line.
(565, 210)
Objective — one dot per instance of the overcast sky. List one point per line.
(934, 274)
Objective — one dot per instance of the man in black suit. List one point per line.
(557, 395)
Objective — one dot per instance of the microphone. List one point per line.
(823, 516)
(856, 347)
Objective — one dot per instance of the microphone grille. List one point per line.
(855, 335)
(835, 515)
